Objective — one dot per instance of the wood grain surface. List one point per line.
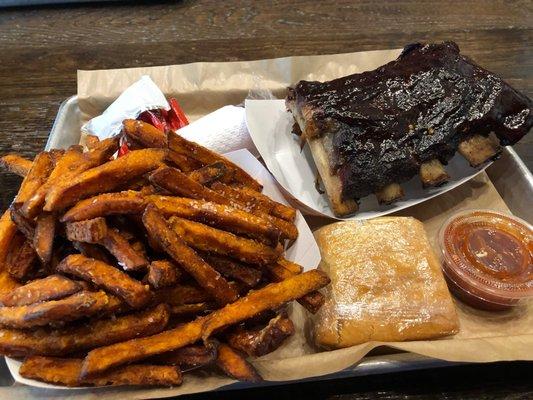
(42, 47)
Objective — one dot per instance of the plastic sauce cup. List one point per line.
(488, 258)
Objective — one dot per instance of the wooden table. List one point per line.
(41, 49)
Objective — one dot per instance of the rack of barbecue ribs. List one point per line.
(370, 132)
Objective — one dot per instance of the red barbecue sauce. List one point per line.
(488, 259)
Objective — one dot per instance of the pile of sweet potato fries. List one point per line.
(130, 271)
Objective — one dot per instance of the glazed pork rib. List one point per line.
(369, 132)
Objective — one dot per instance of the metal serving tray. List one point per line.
(510, 176)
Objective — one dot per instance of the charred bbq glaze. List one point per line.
(379, 126)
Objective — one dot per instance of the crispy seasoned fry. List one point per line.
(258, 342)
(91, 141)
(289, 265)
(181, 294)
(191, 309)
(234, 270)
(253, 201)
(187, 259)
(54, 342)
(276, 209)
(43, 241)
(269, 297)
(36, 177)
(102, 205)
(178, 183)
(66, 371)
(127, 257)
(55, 155)
(103, 178)
(184, 163)
(114, 306)
(93, 251)
(133, 292)
(96, 231)
(218, 215)
(205, 238)
(15, 164)
(209, 173)
(144, 133)
(52, 287)
(8, 230)
(78, 305)
(25, 225)
(234, 365)
(88, 231)
(183, 146)
(72, 162)
(311, 301)
(162, 273)
(21, 259)
(188, 357)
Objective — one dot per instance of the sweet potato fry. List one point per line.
(21, 259)
(188, 357)
(144, 133)
(56, 154)
(183, 162)
(289, 265)
(15, 164)
(25, 225)
(311, 301)
(209, 173)
(88, 231)
(96, 231)
(72, 164)
(162, 273)
(102, 332)
(93, 251)
(52, 287)
(187, 258)
(276, 209)
(253, 201)
(91, 141)
(269, 297)
(191, 309)
(127, 257)
(218, 215)
(66, 371)
(103, 178)
(258, 342)
(234, 270)
(78, 305)
(183, 146)
(8, 230)
(133, 292)
(181, 294)
(235, 365)
(178, 183)
(206, 238)
(36, 177)
(102, 205)
(43, 241)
